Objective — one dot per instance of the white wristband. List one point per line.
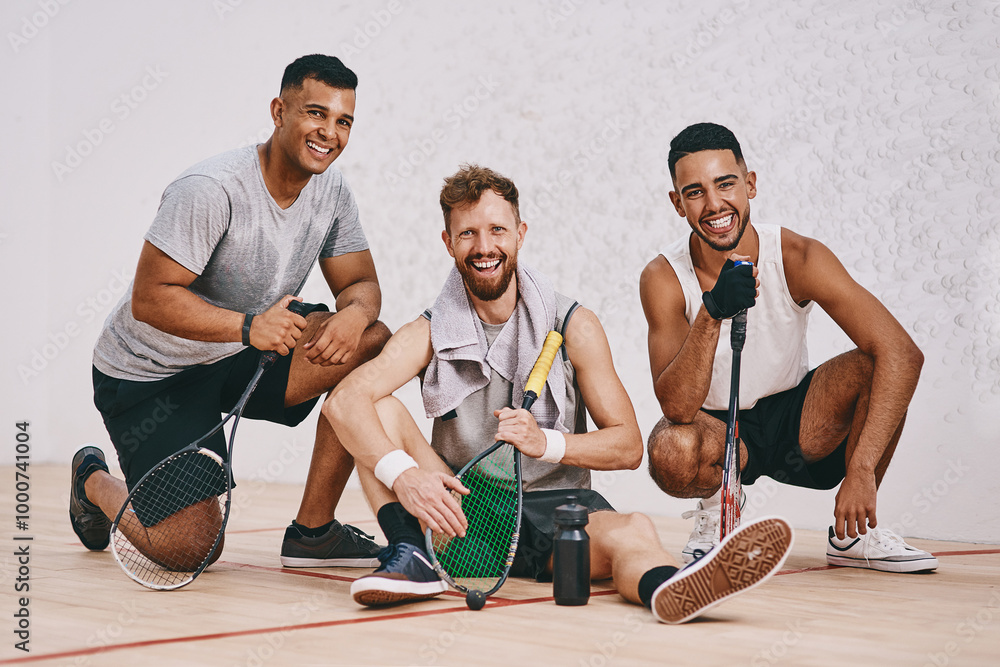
(555, 446)
(392, 465)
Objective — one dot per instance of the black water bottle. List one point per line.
(571, 554)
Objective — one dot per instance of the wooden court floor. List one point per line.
(247, 610)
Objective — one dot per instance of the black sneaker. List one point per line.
(405, 575)
(342, 546)
(89, 522)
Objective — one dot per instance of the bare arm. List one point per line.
(161, 298)
(617, 443)
(351, 411)
(681, 356)
(814, 273)
(354, 283)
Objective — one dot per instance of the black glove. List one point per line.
(735, 290)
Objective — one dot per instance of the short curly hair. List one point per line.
(468, 184)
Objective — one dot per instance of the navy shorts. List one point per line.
(534, 549)
(770, 431)
(149, 421)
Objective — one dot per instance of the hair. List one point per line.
(468, 184)
(703, 137)
(325, 69)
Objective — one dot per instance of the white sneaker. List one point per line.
(746, 558)
(705, 535)
(878, 549)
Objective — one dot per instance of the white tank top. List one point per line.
(774, 356)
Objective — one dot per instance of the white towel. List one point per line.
(461, 361)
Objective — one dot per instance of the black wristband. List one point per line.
(247, 319)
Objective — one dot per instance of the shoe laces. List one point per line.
(390, 556)
(356, 535)
(707, 522)
(883, 537)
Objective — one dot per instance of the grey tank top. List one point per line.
(468, 429)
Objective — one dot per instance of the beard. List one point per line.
(726, 247)
(487, 289)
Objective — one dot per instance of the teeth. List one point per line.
(317, 147)
(484, 265)
(721, 223)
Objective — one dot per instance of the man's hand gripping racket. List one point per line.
(171, 525)
(478, 564)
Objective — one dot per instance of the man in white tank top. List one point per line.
(837, 424)
(410, 486)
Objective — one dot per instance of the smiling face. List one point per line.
(484, 238)
(713, 191)
(312, 125)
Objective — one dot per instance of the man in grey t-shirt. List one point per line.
(232, 244)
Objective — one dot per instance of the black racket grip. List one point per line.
(298, 308)
(271, 356)
(738, 332)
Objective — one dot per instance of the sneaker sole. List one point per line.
(745, 559)
(288, 561)
(901, 567)
(378, 591)
(104, 541)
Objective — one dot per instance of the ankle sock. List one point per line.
(399, 526)
(652, 580)
(313, 532)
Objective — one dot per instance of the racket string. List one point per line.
(169, 529)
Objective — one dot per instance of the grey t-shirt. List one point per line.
(219, 221)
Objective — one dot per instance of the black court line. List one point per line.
(365, 619)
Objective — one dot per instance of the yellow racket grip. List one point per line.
(536, 380)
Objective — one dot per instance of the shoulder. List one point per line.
(810, 266)
(584, 336)
(659, 287)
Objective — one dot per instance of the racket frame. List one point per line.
(266, 360)
(731, 483)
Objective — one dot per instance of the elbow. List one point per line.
(916, 357)
(143, 310)
(632, 458)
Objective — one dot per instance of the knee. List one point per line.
(673, 457)
(641, 527)
(374, 339)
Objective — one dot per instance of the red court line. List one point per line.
(493, 602)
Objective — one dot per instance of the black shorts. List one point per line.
(149, 421)
(534, 550)
(770, 431)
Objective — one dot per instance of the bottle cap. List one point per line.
(572, 513)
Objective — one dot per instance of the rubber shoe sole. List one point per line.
(88, 521)
(745, 559)
(375, 591)
(288, 561)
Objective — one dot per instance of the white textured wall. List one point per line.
(872, 126)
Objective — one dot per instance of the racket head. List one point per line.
(482, 559)
(173, 520)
